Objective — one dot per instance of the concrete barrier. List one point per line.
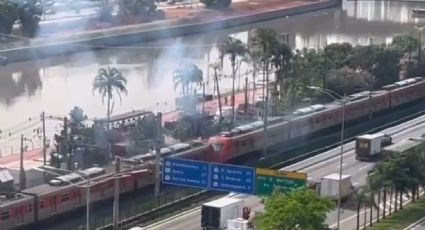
(42, 48)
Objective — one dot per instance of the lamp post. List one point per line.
(332, 94)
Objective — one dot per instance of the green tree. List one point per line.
(137, 7)
(187, 76)
(77, 117)
(363, 196)
(387, 67)
(217, 4)
(233, 48)
(108, 82)
(302, 209)
(216, 66)
(265, 41)
(8, 15)
(29, 16)
(282, 55)
(404, 44)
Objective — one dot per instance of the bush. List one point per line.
(217, 4)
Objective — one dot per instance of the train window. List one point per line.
(5, 215)
(330, 117)
(41, 204)
(64, 197)
(243, 143)
(29, 208)
(317, 120)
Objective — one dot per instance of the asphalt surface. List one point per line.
(316, 167)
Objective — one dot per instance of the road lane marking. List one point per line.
(413, 226)
(361, 212)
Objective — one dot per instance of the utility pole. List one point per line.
(43, 119)
(116, 193)
(158, 142)
(64, 148)
(203, 98)
(246, 94)
(266, 108)
(22, 177)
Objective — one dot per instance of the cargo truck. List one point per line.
(214, 214)
(329, 186)
(369, 146)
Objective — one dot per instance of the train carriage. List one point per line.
(16, 211)
(406, 91)
(52, 200)
(380, 101)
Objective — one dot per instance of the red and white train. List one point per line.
(47, 200)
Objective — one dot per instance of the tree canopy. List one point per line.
(302, 209)
(28, 13)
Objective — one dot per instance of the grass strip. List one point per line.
(402, 219)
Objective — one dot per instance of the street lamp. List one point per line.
(419, 29)
(332, 94)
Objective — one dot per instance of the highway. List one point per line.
(316, 167)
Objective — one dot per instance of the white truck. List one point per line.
(329, 186)
(214, 214)
(369, 146)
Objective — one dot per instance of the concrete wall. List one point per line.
(117, 36)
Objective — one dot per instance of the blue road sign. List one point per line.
(185, 172)
(232, 178)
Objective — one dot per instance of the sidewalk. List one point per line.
(32, 159)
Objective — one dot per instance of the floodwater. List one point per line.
(56, 85)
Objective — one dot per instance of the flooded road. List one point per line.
(57, 84)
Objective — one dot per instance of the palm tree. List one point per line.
(107, 82)
(233, 48)
(216, 67)
(282, 56)
(378, 182)
(254, 60)
(186, 76)
(265, 40)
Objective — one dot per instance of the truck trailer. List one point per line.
(214, 214)
(369, 146)
(329, 186)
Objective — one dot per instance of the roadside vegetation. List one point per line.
(400, 220)
(395, 176)
(301, 209)
(26, 14)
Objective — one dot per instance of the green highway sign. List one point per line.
(268, 180)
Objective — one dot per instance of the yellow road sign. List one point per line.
(286, 174)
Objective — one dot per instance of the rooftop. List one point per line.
(222, 202)
(124, 116)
